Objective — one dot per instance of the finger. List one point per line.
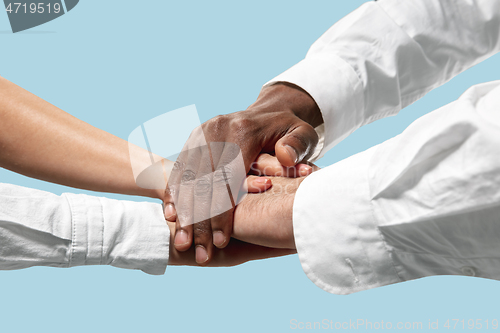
(314, 167)
(168, 206)
(254, 184)
(186, 162)
(185, 200)
(222, 226)
(221, 201)
(269, 165)
(297, 145)
(172, 190)
(171, 194)
(221, 209)
(202, 209)
(203, 242)
(183, 236)
(304, 169)
(229, 178)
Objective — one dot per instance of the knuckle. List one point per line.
(188, 176)
(170, 192)
(307, 136)
(299, 140)
(178, 165)
(203, 186)
(241, 125)
(218, 122)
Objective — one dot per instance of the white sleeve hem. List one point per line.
(125, 234)
(338, 241)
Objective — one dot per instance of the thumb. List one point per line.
(296, 145)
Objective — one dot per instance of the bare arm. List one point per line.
(42, 141)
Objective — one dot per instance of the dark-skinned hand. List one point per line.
(205, 184)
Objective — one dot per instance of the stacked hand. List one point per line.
(202, 186)
(262, 228)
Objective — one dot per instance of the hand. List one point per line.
(236, 253)
(265, 165)
(281, 121)
(263, 228)
(266, 219)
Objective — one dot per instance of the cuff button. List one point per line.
(468, 271)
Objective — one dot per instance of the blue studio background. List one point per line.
(116, 64)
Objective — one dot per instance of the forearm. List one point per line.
(41, 141)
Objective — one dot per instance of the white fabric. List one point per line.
(426, 202)
(387, 54)
(38, 228)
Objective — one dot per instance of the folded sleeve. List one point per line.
(423, 203)
(38, 228)
(387, 54)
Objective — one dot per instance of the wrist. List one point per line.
(287, 97)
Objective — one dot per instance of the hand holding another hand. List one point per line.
(263, 228)
(280, 122)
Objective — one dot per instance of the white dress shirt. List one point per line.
(426, 202)
(38, 228)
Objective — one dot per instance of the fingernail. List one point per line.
(181, 238)
(262, 180)
(201, 254)
(219, 238)
(304, 170)
(292, 153)
(169, 210)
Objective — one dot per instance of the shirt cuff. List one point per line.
(336, 89)
(119, 233)
(339, 245)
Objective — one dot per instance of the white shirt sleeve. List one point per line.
(38, 228)
(426, 202)
(387, 54)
